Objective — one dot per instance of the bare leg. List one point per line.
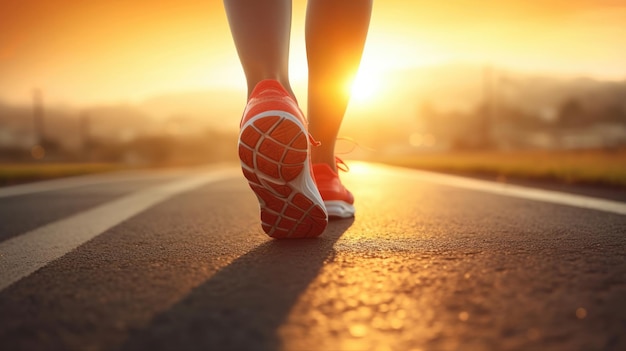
(261, 31)
(335, 36)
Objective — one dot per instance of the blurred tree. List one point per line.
(614, 113)
(572, 113)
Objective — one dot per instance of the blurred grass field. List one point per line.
(16, 173)
(589, 167)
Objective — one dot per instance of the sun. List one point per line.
(365, 86)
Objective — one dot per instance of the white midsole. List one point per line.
(338, 208)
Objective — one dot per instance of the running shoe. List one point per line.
(338, 200)
(274, 150)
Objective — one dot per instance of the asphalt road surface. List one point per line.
(177, 260)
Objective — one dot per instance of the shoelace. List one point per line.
(313, 141)
(341, 165)
(355, 144)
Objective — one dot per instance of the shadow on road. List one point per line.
(242, 306)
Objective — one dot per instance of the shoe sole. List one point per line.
(339, 209)
(273, 149)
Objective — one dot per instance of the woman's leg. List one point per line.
(273, 142)
(335, 37)
(261, 29)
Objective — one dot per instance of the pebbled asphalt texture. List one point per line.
(421, 267)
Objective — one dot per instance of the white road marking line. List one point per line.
(86, 180)
(510, 190)
(24, 254)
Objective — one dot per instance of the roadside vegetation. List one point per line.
(590, 167)
(16, 173)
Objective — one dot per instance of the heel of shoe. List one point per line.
(273, 149)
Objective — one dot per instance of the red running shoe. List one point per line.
(338, 200)
(274, 151)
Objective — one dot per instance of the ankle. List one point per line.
(284, 82)
(330, 161)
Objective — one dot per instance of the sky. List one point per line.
(108, 51)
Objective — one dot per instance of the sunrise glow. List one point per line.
(101, 51)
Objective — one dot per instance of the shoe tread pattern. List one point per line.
(273, 151)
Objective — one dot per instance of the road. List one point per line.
(177, 260)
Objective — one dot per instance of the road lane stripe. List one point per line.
(510, 190)
(87, 180)
(24, 254)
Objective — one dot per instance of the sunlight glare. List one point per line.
(364, 86)
(360, 168)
